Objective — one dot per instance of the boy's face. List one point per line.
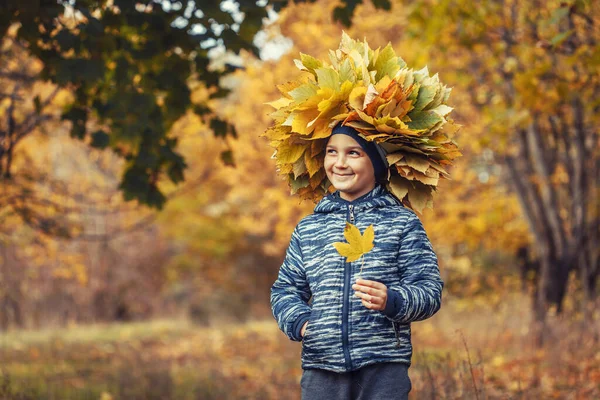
(348, 167)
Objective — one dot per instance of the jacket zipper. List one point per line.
(346, 301)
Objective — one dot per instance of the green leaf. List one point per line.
(344, 14)
(100, 139)
(558, 15)
(425, 96)
(382, 4)
(219, 127)
(227, 158)
(442, 110)
(297, 184)
(560, 38)
(303, 92)
(220, 93)
(78, 70)
(147, 158)
(253, 21)
(423, 120)
(155, 198)
(136, 185)
(78, 117)
(93, 27)
(327, 77)
(201, 109)
(310, 62)
(233, 131)
(212, 10)
(388, 63)
(67, 41)
(37, 103)
(234, 42)
(347, 72)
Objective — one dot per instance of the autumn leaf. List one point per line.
(358, 245)
(376, 93)
(289, 153)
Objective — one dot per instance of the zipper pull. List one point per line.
(351, 209)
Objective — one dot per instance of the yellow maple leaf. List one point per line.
(358, 245)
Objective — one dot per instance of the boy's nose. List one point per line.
(340, 162)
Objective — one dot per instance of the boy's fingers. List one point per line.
(373, 284)
(371, 305)
(368, 290)
(366, 297)
(373, 294)
(369, 298)
(363, 288)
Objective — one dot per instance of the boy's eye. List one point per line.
(354, 153)
(330, 151)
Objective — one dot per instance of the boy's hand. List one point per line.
(372, 293)
(303, 330)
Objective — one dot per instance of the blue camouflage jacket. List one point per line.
(314, 284)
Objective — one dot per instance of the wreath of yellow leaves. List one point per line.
(373, 91)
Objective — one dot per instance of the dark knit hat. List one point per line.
(374, 151)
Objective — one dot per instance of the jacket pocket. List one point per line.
(311, 320)
(311, 335)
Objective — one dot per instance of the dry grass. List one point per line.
(480, 352)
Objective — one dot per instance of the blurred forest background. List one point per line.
(142, 222)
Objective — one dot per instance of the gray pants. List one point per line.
(383, 381)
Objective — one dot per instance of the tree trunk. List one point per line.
(558, 238)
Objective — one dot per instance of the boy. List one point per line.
(355, 330)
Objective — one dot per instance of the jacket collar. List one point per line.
(376, 198)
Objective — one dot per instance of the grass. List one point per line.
(481, 353)
(96, 333)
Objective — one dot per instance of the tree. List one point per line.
(131, 65)
(531, 68)
(56, 195)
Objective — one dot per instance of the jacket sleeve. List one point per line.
(419, 294)
(290, 292)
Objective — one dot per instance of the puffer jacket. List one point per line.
(314, 284)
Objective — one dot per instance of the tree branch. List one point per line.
(533, 196)
(35, 118)
(579, 174)
(548, 194)
(10, 133)
(523, 195)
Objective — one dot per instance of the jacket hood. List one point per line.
(376, 198)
